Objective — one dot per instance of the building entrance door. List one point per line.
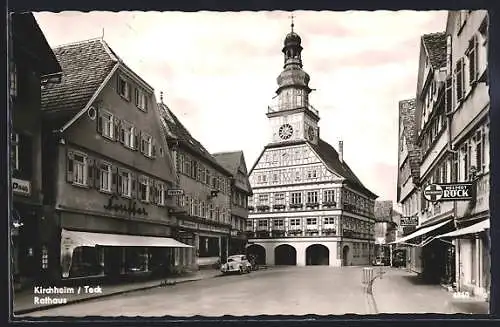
(345, 256)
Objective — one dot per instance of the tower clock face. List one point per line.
(285, 131)
(311, 133)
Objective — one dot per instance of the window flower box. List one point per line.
(312, 205)
(262, 207)
(329, 230)
(279, 206)
(251, 208)
(295, 231)
(329, 204)
(296, 205)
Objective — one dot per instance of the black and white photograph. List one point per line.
(215, 164)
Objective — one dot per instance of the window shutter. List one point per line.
(69, 169)
(122, 134)
(153, 148)
(449, 94)
(116, 125)
(152, 192)
(97, 174)
(136, 97)
(459, 79)
(142, 145)
(119, 179)
(133, 185)
(114, 179)
(99, 122)
(90, 172)
(136, 139)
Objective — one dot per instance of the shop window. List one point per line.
(86, 261)
(136, 260)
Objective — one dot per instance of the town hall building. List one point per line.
(308, 207)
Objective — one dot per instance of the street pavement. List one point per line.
(315, 290)
(280, 290)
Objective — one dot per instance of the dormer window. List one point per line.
(123, 88)
(141, 100)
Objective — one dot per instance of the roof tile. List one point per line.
(85, 66)
(435, 44)
(407, 113)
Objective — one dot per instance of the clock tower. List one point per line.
(292, 118)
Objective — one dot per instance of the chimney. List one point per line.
(341, 151)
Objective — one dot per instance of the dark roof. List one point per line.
(407, 114)
(27, 36)
(383, 210)
(232, 161)
(435, 44)
(85, 66)
(331, 158)
(177, 132)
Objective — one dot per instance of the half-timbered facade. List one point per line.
(308, 207)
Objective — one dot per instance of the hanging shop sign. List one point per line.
(21, 187)
(130, 207)
(448, 192)
(409, 221)
(173, 192)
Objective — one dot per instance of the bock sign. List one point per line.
(448, 192)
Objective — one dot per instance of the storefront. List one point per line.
(113, 256)
(473, 260)
(237, 243)
(430, 257)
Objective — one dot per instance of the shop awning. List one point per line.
(476, 228)
(75, 239)
(420, 232)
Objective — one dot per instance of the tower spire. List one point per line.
(291, 18)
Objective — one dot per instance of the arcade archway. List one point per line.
(317, 255)
(285, 255)
(259, 251)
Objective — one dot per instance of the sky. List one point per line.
(218, 73)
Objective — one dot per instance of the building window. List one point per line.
(279, 198)
(127, 136)
(80, 169)
(144, 189)
(312, 197)
(125, 183)
(141, 100)
(295, 222)
(328, 196)
(471, 54)
(312, 221)
(296, 198)
(263, 198)
(105, 177)
(123, 88)
(278, 223)
(312, 174)
(160, 194)
(106, 124)
(146, 144)
(329, 221)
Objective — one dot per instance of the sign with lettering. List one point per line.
(187, 223)
(130, 207)
(173, 192)
(448, 192)
(21, 187)
(409, 221)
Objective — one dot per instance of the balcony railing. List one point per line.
(282, 107)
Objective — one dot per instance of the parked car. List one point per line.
(236, 263)
(399, 259)
(380, 261)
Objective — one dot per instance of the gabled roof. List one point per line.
(176, 131)
(232, 161)
(407, 114)
(331, 158)
(85, 66)
(435, 45)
